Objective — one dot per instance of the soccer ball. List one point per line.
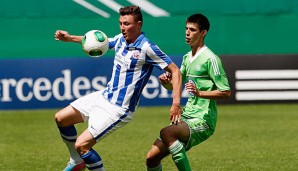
(95, 43)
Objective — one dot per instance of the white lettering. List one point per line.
(164, 93)
(65, 88)
(6, 89)
(97, 80)
(80, 84)
(20, 88)
(40, 85)
(152, 84)
(66, 81)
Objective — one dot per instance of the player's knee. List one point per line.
(165, 133)
(80, 148)
(58, 119)
(149, 156)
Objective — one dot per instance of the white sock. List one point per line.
(74, 155)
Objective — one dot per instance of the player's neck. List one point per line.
(195, 49)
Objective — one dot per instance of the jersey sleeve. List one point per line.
(217, 73)
(114, 41)
(156, 57)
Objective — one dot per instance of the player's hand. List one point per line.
(62, 35)
(175, 113)
(165, 78)
(191, 87)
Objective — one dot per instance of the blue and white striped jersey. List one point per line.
(133, 65)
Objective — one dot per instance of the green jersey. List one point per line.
(206, 71)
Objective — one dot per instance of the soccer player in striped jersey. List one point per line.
(111, 108)
(205, 79)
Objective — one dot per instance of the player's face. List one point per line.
(130, 28)
(193, 35)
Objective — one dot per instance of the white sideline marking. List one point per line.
(112, 4)
(150, 8)
(92, 8)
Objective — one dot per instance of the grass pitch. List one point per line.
(248, 137)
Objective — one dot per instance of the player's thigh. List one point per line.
(68, 116)
(179, 131)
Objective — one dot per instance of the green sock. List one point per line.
(157, 168)
(179, 156)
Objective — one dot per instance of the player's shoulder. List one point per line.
(208, 53)
(146, 44)
(115, 38)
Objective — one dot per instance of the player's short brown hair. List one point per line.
(132, 10)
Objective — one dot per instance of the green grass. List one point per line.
(247, 138)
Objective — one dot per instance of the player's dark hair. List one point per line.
(201, 20)
(132, 10)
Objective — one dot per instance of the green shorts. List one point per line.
(199, 132)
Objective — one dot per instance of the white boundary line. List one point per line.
(150, 8)
(92, 8)
(111, 4)
(145, 5)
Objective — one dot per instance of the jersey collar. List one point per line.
(197, 54)
(134, 45)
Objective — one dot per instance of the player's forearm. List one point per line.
(176, 86)
(215, 94)
(76, 39)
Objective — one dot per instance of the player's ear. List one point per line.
(204, 33)
(140, 23)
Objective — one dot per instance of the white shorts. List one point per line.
(103, 117)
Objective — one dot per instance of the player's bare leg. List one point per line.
(65, 120)
(84, 145)
(173, 137)
(68, 116)
(157, 152)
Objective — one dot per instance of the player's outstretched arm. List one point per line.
(66, 37)
(176, 82)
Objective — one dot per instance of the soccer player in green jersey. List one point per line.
(206, 82)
